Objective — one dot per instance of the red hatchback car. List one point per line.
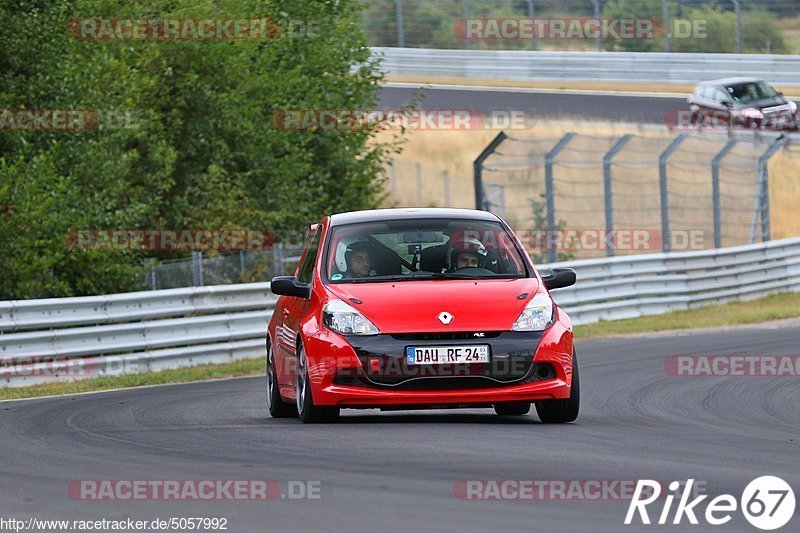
(419, 309)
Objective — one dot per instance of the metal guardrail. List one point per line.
(653, 67)
(71, 338)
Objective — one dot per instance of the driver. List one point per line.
(467, 253)
(358, 258)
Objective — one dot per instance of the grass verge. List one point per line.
(771, 308)
(612, 86)
(774, 307)
(244, 367)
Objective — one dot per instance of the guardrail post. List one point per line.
(762, 201)
(197, 269)
(477, 169)
(549, 188)
(609, 192)
(662, 175)
(715, 190)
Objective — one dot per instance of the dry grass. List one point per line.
(578, 85)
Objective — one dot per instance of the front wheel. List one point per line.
(308, 411)
(566, 410)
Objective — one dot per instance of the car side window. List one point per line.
(720, 96)
(307, 266)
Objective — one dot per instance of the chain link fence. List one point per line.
(749, 26)
(222, 269)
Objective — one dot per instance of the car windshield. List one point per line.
(402, 250)
(744, 93)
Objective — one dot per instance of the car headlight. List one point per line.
(342, 318)
(792, 107)
(537, 315)
(752, 113)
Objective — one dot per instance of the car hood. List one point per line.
(763, 104)
(413, 306)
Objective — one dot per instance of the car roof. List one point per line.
(380, 215)
(730, 81)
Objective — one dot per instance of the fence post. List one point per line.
(715, 191)
(446, 178)
(401, 34)
(662, 175)
(531, 15)
(465, 15)
(197, 269)
(418, 170)
(738, 10)
(477, 169)
(667, 29)
(762, 201)
(608, 189)
(597, 40)
(549, 187)
(393, 180)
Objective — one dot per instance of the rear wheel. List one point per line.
(566, 410)
(308, 411)
(277, 407)
(512, 409)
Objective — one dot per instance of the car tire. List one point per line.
(275, 404)
(566, 410)
(512, 409)
(308, 412)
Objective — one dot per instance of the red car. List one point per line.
(419, 309)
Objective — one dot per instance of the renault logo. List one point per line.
(445, 317)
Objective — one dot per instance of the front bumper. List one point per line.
(371, 371)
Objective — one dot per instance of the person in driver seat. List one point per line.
(467, 253)
(358, 258)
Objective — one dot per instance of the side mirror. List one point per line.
(727, 104)
(559, 278)
(290, 286)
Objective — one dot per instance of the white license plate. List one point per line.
(438, 355)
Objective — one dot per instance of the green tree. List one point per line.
(202, 150)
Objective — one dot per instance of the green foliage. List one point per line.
(539, 210)
(201, 150)
(759, 28)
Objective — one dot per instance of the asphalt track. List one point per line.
(546, 104)
(396, 471)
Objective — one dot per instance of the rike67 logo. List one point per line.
(767, 503)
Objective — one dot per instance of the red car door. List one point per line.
(292, 312)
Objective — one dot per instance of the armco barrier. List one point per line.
(632, 67)
(156, 330)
